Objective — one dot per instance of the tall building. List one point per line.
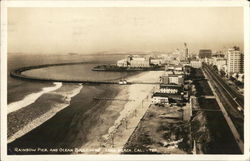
(205, 53)
(186, 52)
(235, 61)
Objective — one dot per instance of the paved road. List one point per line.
(230, 99)
(226, 107)
(238, 98)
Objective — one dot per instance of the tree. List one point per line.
(215, 68)
(222, 72)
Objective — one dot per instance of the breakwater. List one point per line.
(17, 73)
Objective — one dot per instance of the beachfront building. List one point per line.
(169, 67)
(173, 67)
(139, 62)
(168, 72)
(132, 61)
(171, 88)
(172, 79)
(159, 99)
(164, 79)
(176, 78)
(179, 72)
(166, 98)
(122, 63)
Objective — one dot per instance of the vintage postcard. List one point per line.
(116, 80)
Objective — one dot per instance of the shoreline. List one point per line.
(82, 123)
(25, 127)
(75, 117)
(130, 112)
(31, 98)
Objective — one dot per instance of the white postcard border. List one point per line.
(6, 4)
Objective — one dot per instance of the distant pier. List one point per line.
(17, 73)
(112, 99)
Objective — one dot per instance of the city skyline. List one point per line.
(91, 30)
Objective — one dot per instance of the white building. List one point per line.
(195, 63)
(132, 61)
(176, 78)
(235, 61)
(220, 63)
(241, 78)
(166, 98)
(174, 67)
(122, 63)
(178, 68)
(139, 62)
(172, 79)
(160, 100)
(168, 72)
(171, 89)
(156, 61)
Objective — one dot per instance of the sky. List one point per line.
(91, 30)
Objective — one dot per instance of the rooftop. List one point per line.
(168, 95)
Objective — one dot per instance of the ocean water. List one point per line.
(31, 98)
(36, 109)
(75, 72)
(18, 89)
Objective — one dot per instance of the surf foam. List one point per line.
(31, 98)
(55, 109)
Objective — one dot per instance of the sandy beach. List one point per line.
(69, 127)
(91, 124)
(120, 118)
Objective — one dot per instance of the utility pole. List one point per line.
(126, 122)
(142, 103)
(135, 113)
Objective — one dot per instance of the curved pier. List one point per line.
(17, 73)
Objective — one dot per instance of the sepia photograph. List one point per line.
(126, 80)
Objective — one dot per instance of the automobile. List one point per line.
(123, 82)
(239, 108)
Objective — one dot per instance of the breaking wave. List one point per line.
(31, 98)
(56, 107)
